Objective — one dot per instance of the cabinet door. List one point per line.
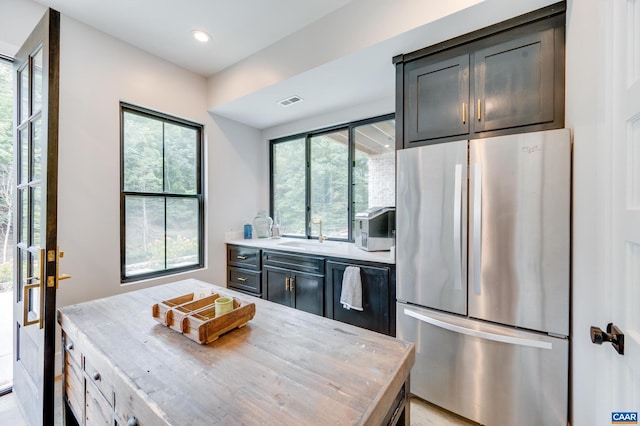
(275, 282)
(375, 297)
(514, 83)
(436, 98)
(309, 292)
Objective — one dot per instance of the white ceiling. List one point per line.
(239, 28)
(242, 29)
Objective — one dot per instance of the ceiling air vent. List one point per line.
(290, 101)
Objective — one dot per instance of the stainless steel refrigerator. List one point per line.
(483, 275)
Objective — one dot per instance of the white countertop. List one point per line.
(327, 248)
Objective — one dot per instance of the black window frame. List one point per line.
(164, 118)
(350, 127)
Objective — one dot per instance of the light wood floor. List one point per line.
(422, 413)
(425, 414)
(10, 413)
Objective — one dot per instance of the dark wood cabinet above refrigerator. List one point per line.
(504, 79)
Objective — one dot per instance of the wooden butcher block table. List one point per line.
(284, 367)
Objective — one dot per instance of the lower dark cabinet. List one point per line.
(376, 297)
(243, 269)
(313, 284)
(299, 290)
(244, 280)
(276, 285)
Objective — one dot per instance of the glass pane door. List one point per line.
(36, 76)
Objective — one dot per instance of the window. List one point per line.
(161, 197)
(7, 183)
(332, 174)
(288, 179)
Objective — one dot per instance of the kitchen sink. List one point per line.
(310, 245)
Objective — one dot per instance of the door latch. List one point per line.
(613, 335)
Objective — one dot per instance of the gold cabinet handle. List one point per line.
(286, 284)
(291, 282)
(241, 257)
(464, 113)
(242, 279)
(479, 109)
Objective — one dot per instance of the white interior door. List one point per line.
(603, 109)
(605, 382)
(624, 60)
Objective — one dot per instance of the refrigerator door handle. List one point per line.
(457, 227)
(519, 341)
(477, 228)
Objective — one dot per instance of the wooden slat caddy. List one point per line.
(196, 317)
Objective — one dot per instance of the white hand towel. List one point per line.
(351, 295)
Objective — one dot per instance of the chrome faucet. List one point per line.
(318, 222)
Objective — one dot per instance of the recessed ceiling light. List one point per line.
(201, 36)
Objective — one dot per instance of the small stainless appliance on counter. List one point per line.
(376, 228)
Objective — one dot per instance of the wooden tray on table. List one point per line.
(195, 318)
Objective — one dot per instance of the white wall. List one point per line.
(358, 25)
(358, 112)
(96, 72)
(17, 19)
(238, 185)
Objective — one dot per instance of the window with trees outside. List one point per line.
(161, 200)
(7, 182)
(332, 174)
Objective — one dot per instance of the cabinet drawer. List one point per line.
(243, 279)
(71, 350)
(98, 411)
(131, 409)
(310, 264)
(243, 257)
(73, 385)
(98, 373)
